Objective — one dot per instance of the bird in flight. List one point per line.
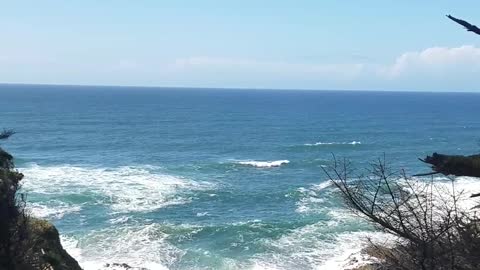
(467, 25)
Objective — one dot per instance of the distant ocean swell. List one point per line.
(333, 143)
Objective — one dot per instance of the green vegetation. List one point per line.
(26, 243)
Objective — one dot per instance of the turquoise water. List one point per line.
(215, 179)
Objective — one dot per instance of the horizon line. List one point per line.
(229, 88)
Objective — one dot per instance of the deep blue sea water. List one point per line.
(216, 179)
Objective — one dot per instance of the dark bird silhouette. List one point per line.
(467, 25)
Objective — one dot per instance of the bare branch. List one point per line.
(433, 231)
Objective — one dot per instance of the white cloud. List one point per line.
(439, 61)
(436, 68)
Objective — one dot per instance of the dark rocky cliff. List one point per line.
(47, 251)
(26, 243)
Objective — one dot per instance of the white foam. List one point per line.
(54, 210)
(322, 186)
(142, 246)
(124, 189)
(311, 198)
(264, 164)
(444, 189)
(202, 214)
(333, 243)
(333, 143)
(71, 246)
(337, 242)
(304, 205)
(347, 252)
(348, 249)
(326, 245)
(119, 220)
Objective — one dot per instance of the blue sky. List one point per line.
(366, 45)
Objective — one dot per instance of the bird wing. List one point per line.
(462, 22)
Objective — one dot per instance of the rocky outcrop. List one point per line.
(26, 243)
(372, 258)
(122, 266)
(47, 251)
(454, 164)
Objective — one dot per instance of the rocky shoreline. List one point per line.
(47, 251)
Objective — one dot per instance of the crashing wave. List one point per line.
(124, 189)
(139, 247)
(264, 164)
(312, 198)
(302, 249)
(53, 209)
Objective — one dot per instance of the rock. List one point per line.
(454, 164)
(47, 251)
(27, 243)
(122, 266)
(369, 258)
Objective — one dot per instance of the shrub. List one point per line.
(432, 229)
(14, 243)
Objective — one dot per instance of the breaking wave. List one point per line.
(143, 246)
(317, 246)
(314, 198)
(55, 209)
(123, 189)
(333, 143)
(264, 164)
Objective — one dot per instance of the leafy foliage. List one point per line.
(13, 218)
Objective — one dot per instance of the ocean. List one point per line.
(216, 178)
